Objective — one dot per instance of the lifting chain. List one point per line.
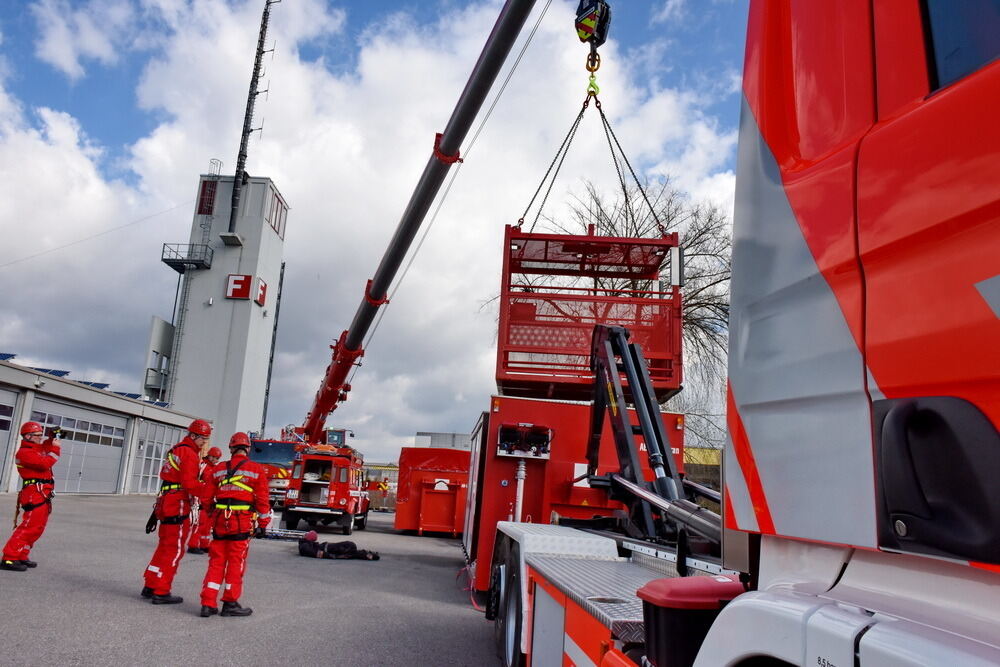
(593, 18)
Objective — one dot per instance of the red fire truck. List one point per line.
(326, 487)
(531, 447)
(860, 514)
(276, 456)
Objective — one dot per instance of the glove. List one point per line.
(260, 531)
(151, 523)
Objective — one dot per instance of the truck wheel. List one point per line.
(291, 520)
(362, 521)
(510, 613)
(498, 592)
(348, 523)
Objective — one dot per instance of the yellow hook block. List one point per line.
(592, 87)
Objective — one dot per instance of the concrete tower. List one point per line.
(221, 344)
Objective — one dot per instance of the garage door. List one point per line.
(152, 444)
(8, 430)
(92, 447)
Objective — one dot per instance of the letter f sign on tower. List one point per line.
(238, 286)
(261, 292)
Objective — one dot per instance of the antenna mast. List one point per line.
(241, 159)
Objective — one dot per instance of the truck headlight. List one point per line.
(343, 501)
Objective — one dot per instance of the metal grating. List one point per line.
(183, 256)
(586, 581)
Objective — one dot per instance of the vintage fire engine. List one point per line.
(327, 486)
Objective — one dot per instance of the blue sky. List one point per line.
(699, 41)
(109, 109)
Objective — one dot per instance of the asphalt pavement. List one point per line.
(81, 605)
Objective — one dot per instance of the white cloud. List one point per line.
(68, 36)
(671, 10)
(346, 146)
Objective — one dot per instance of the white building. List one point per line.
(214, 361)
(449, 440)
(112, 443)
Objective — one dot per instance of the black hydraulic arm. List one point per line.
(609, 398)
(612, 356)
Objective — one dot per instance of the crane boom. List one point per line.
(348, 348)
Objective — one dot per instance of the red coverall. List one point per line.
(237, 491)
(201, 535)
(179, 485)
(34, 464)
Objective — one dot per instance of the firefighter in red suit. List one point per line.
(237, 494)
(201, 534)
(34, 458)
(179, 488)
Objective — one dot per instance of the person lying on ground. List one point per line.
(311, 548)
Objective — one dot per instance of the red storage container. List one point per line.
(430, 495)
(556, 287)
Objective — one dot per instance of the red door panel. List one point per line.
(929, 234)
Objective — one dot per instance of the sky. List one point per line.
(110, 110)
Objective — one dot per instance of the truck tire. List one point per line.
(291, 520)
(361, 522)
(511, 613)
(348, 523)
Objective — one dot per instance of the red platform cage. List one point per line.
(556, 287)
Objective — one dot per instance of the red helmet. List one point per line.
(216, 452)
(32, 427)
(239, 439)
(200, 427)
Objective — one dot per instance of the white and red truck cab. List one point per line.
(861, 508)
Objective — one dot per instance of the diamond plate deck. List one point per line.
(548, 538)
(585, 579)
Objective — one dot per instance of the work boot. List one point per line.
(147, 592)
(167, 599)
(15, 565)
(234, 609)
(29, 563)
(207, 611)
(197, 550)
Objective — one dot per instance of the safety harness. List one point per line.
(27, 507)
(172, 487)
(40, 482)
(234, 479)
(230, 505)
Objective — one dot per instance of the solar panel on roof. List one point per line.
(51, 371)
(127, 394)
(96, 385)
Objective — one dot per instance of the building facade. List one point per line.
(450, 440)
(214, 360)
(111, 443)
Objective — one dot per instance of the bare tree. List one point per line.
(705, 235)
